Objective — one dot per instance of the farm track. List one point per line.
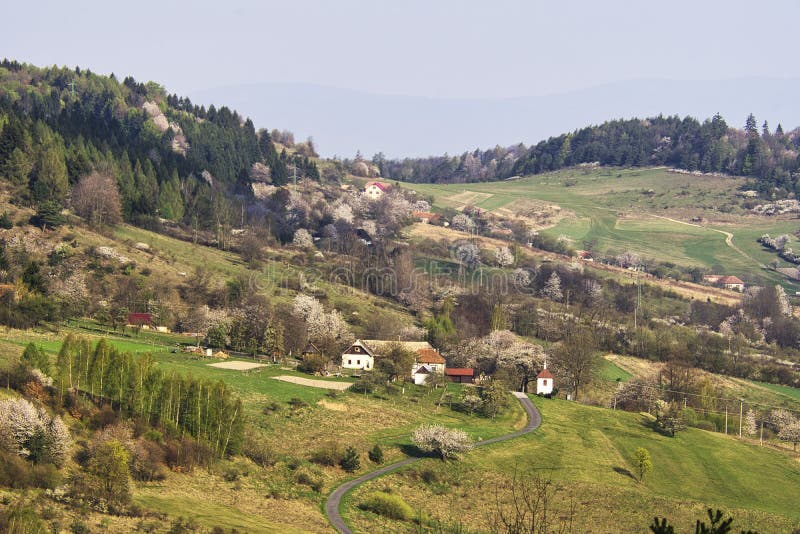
(335, 498)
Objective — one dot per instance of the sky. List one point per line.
(444, 48)
(455, 54)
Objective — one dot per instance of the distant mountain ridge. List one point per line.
(344, 121)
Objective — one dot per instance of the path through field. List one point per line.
(324, 384)
(335, 498)
(728, 236)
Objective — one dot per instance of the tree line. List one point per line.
(205, 410)
(769, 156)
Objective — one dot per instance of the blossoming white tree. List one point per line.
(446, 442)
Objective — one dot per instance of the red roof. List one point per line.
(545, 374)
(382, 187)
(429, 356)
(139, 318)
(455, 371)
(423, 214)
(730, 280)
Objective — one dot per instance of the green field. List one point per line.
(627, 210)
(588, 450)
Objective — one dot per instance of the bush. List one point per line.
(350, 461)
(186, 454)
(376, 454)
(271, 408)
(297, 403)
(309, 478)
(330, 454)
(391, 506)
(147, 462)
(21, 520)
(258, 451)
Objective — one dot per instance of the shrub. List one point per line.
(391, 506)
(429, 476)
(297, 403)
(376, 454)
(271, 408)
(444, 442)
(309, 478)
(330, 454)
(186, 454)
(350, 461)
(259, 452)
(21, 520)
(147, 462)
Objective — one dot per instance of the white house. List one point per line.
(361, 355)
(358, 356)
(427, 361)
(375, 190)
(544, 382)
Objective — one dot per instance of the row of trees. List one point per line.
(138, 389)
(686, 143)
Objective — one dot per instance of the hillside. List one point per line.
(588, 453)
(140, 232)
(663, 217)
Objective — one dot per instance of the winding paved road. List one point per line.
(335, 498)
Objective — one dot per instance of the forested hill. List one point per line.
(171, 159)
(769, 156)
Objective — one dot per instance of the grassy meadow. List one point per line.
(588, 451)
(629, 210)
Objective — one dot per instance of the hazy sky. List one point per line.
(431, 48)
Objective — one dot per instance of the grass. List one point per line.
(611, 372)
(627, 210)
(589, 451)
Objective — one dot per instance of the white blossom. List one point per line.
(443, 441)
(303, 239)
(503, 256)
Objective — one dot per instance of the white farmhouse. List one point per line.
(358, 356)
(375, 190)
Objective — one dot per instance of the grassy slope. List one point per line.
(612, 206)
(349, 418)
(589, 450)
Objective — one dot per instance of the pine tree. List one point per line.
(50, 183)
(350, 461)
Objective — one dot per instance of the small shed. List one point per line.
(460, 375)
(421, 375)
(140, 319)
(544, 382)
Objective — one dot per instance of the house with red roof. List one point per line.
(544, 382)
(731, 282)
(363, 353)
(425, 217)
(375, 190)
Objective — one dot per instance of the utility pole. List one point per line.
(726, 419)
(761, 438)
(741, 410)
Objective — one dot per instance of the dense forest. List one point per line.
(171, 159)
(768, 156)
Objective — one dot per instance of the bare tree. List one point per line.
(525, 505)
(96, 199)
(577, 358)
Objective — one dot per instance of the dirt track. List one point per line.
(324, 384)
